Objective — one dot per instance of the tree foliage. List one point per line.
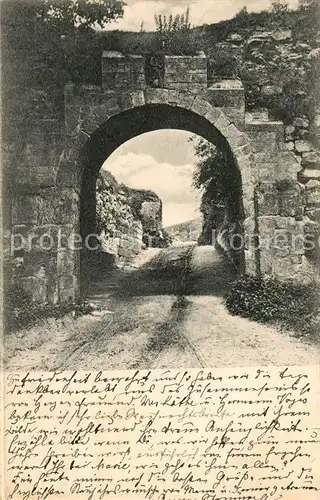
(76, 13)
(218, 179)
(55, 34)
(279, 6)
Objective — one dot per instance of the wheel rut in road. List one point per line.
(168, 313)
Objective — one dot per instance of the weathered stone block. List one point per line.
(250, 262)
(182, 98)
(37, 287)
(24, 210)
(227, 94)
(281, 35)
(67, 288)
(200, 107)
(291, 201)
(66, 261)
(271, 90)
(302, 146)
(122, 72)
(261, 126)
(301, 122)
(156, 96)
(266, 143)
(267, 200)
(232, 131)
(313, 214)
(238, 141)
(58, 206)
(89, 126)
(289, 132)
(308, 174)
(287, 167)
(311, 160)
(130, 100)
(212, 115)
(66, 282)
(313, 192)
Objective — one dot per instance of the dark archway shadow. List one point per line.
(162, 276)
(119, 129)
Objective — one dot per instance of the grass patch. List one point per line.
(293, 306)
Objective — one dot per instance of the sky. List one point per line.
(162, 161)
(201, 11)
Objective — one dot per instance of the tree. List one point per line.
(218, 178)
(243, 12)
(81, 13)
(279, 6)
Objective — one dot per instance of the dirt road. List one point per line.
(160, 317)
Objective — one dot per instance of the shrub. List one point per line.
(21, 312)
(222, 64)
(268, 300)
(17, 297)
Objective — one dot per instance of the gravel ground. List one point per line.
(159, 329)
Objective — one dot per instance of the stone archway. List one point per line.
(196, 115)
(60, 160)
(105, 127)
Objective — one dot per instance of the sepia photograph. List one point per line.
(161, 178)
(161, 250)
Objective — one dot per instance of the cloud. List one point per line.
(201, 11)
(172, 183)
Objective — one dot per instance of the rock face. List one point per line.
(124, 215)
(147, 207)
(279, 65)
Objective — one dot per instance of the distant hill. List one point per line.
(186, 231)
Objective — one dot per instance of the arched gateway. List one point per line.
(100, 119)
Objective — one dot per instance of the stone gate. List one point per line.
(53, 207)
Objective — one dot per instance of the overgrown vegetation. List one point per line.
(289, 304)
(175, 34)
(21, 312)
(217, 177)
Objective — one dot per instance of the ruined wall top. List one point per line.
(136, 72)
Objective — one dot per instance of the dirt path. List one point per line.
(160, 330)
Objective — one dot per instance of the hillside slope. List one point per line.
(186, 231)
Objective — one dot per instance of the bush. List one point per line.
(21, 312)
(268, 300)
(223, 64)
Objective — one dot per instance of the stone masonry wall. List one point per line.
(45, 206)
